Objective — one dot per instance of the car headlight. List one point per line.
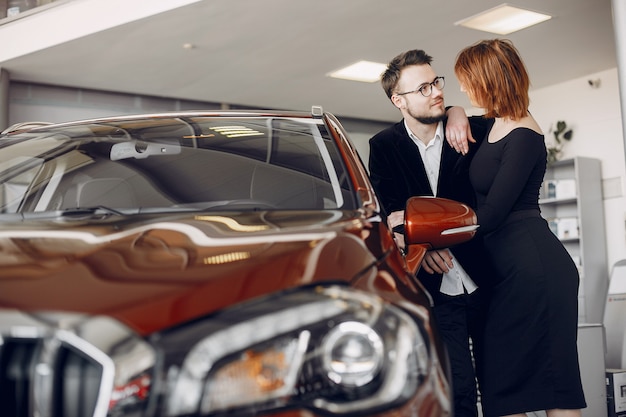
(353, 354)
(333, 349)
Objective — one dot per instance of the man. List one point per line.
(413, 158)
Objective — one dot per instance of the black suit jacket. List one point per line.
(397, 173)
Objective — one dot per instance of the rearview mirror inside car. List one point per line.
(140, 149)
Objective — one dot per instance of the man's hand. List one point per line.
(437, 261)
(458, 132)
(396, 218)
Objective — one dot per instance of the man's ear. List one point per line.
(397, 101)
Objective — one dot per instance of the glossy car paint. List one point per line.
(153, 272)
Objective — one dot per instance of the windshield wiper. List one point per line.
(78, 212)
(90, 211)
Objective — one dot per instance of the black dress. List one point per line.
(531, 359)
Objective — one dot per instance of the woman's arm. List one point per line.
(458, 132)
(516, 171)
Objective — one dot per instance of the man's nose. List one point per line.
(436, 92)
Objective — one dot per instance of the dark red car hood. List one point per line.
(152, 272)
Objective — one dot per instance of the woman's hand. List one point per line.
(458, 132)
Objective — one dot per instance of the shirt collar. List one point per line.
(437, 138)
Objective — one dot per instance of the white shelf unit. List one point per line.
(571, 200)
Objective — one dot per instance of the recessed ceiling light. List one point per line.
(503, 19)
(364, 71)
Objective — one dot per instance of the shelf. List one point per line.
(572, 204)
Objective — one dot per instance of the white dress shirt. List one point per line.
(456, 280)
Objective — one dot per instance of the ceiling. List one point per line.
(276, 53)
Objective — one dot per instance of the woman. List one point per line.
(531, 359)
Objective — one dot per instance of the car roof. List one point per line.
(316, 112)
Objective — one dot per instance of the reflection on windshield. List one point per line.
(174, 163)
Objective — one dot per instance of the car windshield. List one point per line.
(174, 163)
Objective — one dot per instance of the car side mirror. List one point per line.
(438, 222)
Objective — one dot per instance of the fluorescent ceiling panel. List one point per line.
(364, 71)
(503, 19)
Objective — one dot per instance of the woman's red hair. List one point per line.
(495, 77)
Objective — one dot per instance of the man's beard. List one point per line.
(429, 120)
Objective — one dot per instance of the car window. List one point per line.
(195, 163)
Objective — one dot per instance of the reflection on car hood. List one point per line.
(151, 271)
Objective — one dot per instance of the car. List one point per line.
(224, 263)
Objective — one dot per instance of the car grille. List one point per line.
(57, 375)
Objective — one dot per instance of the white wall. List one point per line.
(595, 117)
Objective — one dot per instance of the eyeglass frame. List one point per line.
(431, 85)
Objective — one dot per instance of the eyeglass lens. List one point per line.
(427, 89)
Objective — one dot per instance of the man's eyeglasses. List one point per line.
(427, 89)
